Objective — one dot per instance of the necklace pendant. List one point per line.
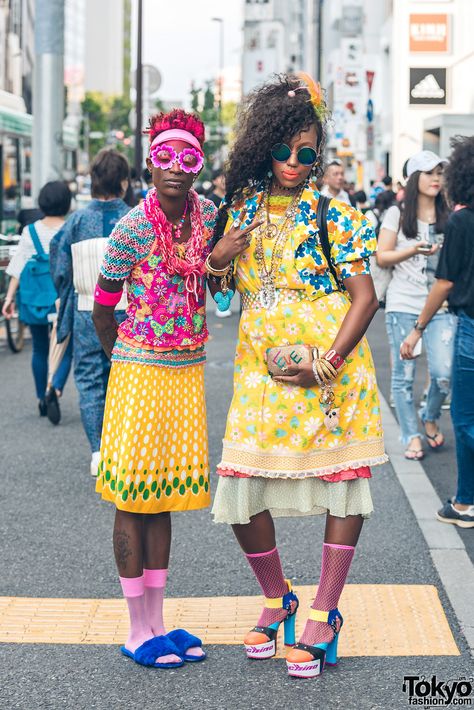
(268, 296)
(271, 231)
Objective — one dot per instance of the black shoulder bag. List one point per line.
(322, 222)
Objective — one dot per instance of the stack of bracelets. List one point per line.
(225, 295)
(326, 368)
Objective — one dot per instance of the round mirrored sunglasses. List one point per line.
(306, 155)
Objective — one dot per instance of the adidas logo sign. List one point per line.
(427, 88)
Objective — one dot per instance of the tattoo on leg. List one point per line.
(122, 547)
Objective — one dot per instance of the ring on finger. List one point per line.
(235, 224)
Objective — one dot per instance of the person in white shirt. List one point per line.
(334, 181)
(409, 243)
(54, 201)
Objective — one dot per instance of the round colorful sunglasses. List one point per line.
(281, 152)
(164, 156)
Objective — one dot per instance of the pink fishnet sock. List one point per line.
(336, 561)
(266, 567)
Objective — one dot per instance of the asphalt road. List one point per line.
(56, 542)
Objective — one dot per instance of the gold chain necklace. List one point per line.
(268, 294)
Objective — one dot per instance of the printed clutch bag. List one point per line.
(281, 359)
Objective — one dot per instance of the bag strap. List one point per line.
(36, 240)
(322, 222)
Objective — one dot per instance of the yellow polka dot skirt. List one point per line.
(154, 454)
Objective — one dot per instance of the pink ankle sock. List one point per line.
(140, 630)
(336, 561)
(267, 569)
(134, 591)
(155, 583)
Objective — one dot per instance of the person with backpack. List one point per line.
(80, 250)
(409, 243)
(31, 283)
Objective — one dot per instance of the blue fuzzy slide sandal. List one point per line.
(148, 652)
(183, 640)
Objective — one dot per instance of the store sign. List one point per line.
(428, 86)
(429, 33)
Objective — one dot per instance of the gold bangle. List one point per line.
(215, 272)
(322, 373)
(329, 368)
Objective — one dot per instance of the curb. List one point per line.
(446, 547)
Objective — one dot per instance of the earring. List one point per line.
(269, 174)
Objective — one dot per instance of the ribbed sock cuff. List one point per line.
(155, 578)
(132, 586)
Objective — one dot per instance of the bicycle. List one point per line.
(14, 328)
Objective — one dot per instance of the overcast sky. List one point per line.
(181, 40)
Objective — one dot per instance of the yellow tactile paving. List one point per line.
(379, 620)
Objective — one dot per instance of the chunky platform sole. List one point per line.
(308, 669)
(315, 667)
(261, 651)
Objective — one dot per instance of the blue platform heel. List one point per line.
(305, 661)
(261, 642)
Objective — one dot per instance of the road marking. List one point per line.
(379, 620)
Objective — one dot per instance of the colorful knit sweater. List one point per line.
(164, 324)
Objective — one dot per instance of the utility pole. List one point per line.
(48, 93)
(139, 94)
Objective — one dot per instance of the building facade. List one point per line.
(276, 39)
(104, 48)
(413, 60)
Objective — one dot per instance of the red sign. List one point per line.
(370, 79)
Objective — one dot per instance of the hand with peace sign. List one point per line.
(232, 244)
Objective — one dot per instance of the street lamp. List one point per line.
(220, 20)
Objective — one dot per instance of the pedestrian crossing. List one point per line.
(379, 620)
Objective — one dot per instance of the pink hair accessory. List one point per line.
(106, 298)
(177, 134)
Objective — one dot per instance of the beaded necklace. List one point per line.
(268, 294)
(186, 260)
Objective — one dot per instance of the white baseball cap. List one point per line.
(424, 161)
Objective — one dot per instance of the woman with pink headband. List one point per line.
(154, 457)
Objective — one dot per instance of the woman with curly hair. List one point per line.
(300, 442)
(455, 282)
(154, 457)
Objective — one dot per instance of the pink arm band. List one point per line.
(105, 298)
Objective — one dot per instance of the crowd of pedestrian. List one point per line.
(127, 289)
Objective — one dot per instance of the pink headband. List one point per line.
(177, 134)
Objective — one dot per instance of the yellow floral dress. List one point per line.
(278, 451)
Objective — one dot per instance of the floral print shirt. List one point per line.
(351, 237)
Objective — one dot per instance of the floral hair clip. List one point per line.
(164, 156)
(315, 94)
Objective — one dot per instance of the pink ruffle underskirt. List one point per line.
(347, 475)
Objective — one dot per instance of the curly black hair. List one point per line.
(459, 173)
(268, 115)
